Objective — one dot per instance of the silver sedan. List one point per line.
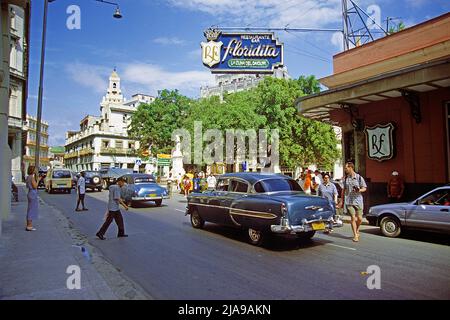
(430, 212)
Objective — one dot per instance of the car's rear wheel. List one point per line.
(197, 221)
(50, 190)
(69, 191)
(256, 237)
(390, 227)
(158, 202)
(305, 236)
(100, 189)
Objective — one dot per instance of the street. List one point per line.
(171, 260)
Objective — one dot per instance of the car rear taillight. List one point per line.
(283, 210)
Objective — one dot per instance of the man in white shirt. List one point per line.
(81, 188)
(211, 182)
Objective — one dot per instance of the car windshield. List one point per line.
(144, 180)
(271, 185)
(61, 174)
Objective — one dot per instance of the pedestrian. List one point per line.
(211, 182)
(32, 197)
(196, 182)
(353, 202)
(329, 191)
(81, 190)
(186, 185)
(307, 184)
(114, 210)
(170, 184)
(395, 187)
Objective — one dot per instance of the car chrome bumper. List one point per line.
(285, 228)
(148, 198)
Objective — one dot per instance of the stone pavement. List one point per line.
(33, 264)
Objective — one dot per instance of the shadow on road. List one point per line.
(273, 243)
(149, 204)
(424, 236)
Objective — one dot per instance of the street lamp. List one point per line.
(37, 153)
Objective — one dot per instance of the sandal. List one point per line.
(30, 229)
(356, 238)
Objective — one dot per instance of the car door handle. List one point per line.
(444, 210)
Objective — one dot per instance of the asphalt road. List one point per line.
(171, 260)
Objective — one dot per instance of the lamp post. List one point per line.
(116, 15)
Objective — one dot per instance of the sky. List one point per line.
(156, 45)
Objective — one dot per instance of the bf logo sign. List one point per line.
(74, 19)
(374, 279)
(74, 280)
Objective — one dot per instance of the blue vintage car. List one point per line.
(262, 204)
(141, 188)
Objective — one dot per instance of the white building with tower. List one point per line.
(102, 141)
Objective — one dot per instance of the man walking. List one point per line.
(354, 186)
(114, 211)
(328, 190)
(211, 181)
(81, 189)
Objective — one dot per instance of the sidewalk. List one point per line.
(33, 264)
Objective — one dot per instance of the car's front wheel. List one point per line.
(197, 221)
(390, 227)
(256, 237)
(158, 202)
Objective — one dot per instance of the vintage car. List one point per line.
(93, 180)
(142, 188)
(110, 175)
(430, 212)
(58, 180)
(262, 204)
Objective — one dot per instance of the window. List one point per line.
(222, 185)
(119, 144)
(61, 174)
(238, 186)
(105, 143)
(259, 188)
(437, 198)
(271, 185)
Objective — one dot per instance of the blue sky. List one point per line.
(156, 45)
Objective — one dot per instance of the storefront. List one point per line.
(391, 97)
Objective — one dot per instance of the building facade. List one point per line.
(18, 71)
(14, 43)
(229, 83)
(102, 141)
(391, 98)
(30, 143)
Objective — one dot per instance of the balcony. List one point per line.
(71, 155)
(118, 151)
(86, 152)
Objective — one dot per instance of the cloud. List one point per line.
(169, 41)
(267, 13)
(154, 78)
(140, 77)
(94, 77)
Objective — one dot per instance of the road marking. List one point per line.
(181, 210)
(336, 245)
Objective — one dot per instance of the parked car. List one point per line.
(142, 188)
(110, 175)
(93, 180)
(262, 204)
(430, 212)
(58, 179)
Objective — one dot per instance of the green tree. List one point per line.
(153, 124)
(302, 141)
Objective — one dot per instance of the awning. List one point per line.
(419, 78)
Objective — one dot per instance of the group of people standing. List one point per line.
(198, 183)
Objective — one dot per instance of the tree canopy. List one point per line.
(270, 105)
